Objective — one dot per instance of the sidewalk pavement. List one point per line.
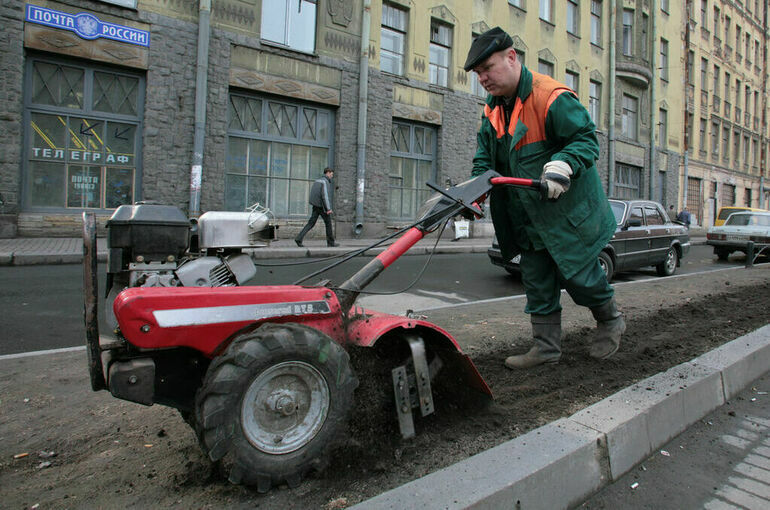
(24, 251)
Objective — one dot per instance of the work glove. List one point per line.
(555, 178)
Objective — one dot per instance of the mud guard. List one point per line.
(366, 327)
(90, 300)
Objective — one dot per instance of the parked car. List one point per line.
(737, 231)
(724, 212)
(644, 236)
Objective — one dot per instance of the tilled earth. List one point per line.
(89, 450)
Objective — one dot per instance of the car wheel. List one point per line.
(668, 266)
(274, 404)
(722, 253)
(605, 261)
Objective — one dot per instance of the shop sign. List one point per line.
(86, 25)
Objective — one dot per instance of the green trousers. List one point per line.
(543, 283)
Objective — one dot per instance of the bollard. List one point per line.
(749, 253)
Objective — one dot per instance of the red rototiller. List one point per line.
(262, 373)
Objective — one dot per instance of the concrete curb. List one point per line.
(561, 464)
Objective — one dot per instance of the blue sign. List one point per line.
(87, 26)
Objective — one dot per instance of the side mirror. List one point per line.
(634, 222)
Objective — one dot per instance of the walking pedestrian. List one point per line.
(684, 217)
(321, 203)
(535, 127)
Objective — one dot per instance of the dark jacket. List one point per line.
(320, 194)
(548, 123)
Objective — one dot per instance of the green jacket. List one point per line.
(548, 123)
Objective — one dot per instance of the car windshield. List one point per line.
(742, 220)
(618, 208)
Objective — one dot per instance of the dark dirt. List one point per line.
(109, 453)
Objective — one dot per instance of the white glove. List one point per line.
(555, 177)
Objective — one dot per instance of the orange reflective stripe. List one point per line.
(495, 117)
(556, 93)
(517, 107)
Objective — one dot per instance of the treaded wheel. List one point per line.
(607, 266)
(722, 253)
(274, 405)
(668, 266)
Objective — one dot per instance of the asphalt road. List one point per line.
(42, 306)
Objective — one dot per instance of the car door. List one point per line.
(633, 235)
(660, 234)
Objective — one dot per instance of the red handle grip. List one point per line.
(515, 181)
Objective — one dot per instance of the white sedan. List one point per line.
(739, 229)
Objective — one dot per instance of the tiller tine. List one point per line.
(411, 385)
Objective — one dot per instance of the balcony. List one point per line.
(717, 102)
(738, 57)
(737, 118)
(635, 73)
(747, 119)
(704, 33)
(756, 123)
(728, 110)
(704, 100)
(728, 52)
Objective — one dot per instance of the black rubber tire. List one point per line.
(220, 402)
(668, 266)
(606, 262)
(722, 253)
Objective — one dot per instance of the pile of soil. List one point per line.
(109, 453)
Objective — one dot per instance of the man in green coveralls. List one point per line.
(535, 127)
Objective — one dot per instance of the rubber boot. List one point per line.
(610, 326)
(546, 331)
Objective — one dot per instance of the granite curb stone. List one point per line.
(562, 463)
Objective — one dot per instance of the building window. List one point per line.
(596, 22)
(748, 49)
(746, 149)
(738, 40)
(663, 59)
(440, 53)
(546, 10)
(644, 40)
(595, 100)
(392, 39)
(702, 135)
(689, 128)
(736, 147)
(517, 3)
(690, 70)
(664, 6)
(275, 150)
(694, 197)
(573, 17)
(290, 23)
(716, 80)
(747, 197)
(628, 32)
(629, 117)
(544, 67)
(757, 56)
(704, 12)
(727, 195)
(628, 181)
(704, 65)
(476, 88)
(715, 138)
(725, 143)
(572, 80)
(727, 30)
(83, 126)
(663, 125)
(412, 164)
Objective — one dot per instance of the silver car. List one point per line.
(738, 231)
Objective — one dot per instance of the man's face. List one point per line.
(499, 74)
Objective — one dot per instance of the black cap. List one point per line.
(494, 39)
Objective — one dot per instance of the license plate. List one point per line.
(737, 238)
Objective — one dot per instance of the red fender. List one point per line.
(205, 318)
(366, 327)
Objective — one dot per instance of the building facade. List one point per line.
(220, 104)
(726, 105)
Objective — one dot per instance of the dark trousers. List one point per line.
(318, 211)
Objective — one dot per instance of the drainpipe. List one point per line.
(363, 87)
(611, 127)
(201, 81)
(687, 78)
(653, 103)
